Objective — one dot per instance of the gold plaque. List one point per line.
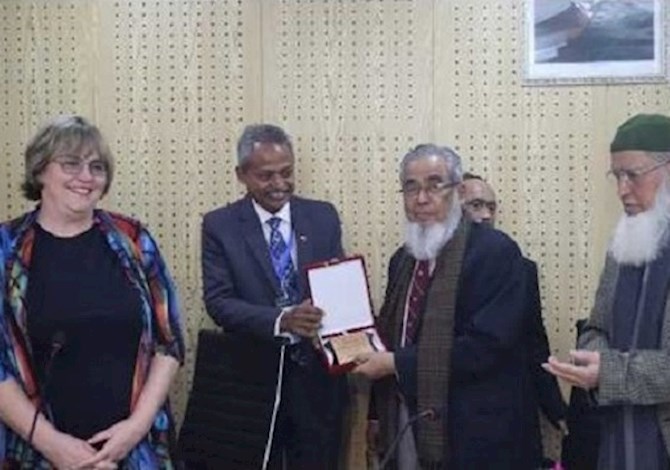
(347, 347)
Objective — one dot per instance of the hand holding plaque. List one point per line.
(349, 346)
(340, 289)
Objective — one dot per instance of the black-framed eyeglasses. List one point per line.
(74, 165)
(432, 188)
(632, 175)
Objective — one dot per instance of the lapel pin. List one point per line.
(302, 238)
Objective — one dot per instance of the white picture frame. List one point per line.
(572, 42)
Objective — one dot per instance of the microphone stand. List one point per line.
(430, 413)
(57, 343)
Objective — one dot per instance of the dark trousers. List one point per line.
(309, 423)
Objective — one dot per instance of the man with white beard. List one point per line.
(624, 355)
(453, 316)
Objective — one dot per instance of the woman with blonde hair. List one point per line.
(90, 335)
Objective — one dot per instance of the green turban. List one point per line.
(646, 132)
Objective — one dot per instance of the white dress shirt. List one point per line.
(287, 233)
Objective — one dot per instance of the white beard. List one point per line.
(425, 242)
(639, 239)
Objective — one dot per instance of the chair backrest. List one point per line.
(228, 413)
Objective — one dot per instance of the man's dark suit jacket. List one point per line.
(240, 291)
(547, 394)
(490, 380)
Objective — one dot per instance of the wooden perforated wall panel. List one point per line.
(356, 83)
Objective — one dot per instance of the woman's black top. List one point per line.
(77, 289)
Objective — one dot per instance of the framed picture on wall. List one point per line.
(594, 41)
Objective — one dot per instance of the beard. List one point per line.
(639, 239)
(424, 242)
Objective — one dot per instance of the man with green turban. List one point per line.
(624, 355)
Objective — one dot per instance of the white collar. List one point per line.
(284, 213)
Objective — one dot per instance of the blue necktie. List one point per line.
(280, 253)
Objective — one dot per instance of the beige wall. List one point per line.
(357, 83)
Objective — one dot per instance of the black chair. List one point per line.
(229, 409)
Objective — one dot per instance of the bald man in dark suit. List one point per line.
(480, 206)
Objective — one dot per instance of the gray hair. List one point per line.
(263, 134)
(62, 134)
(447, 154)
